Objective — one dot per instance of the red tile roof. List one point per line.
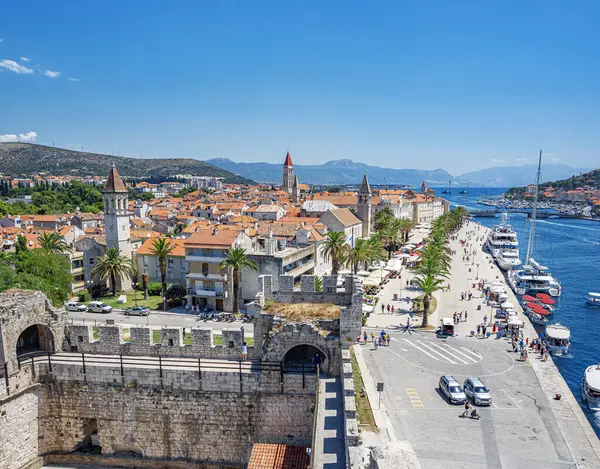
(269, 456)
(114, 182)
(288, 160)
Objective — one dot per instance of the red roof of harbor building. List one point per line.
(273, 456)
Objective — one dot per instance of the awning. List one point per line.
(507, 305)
(515, 322)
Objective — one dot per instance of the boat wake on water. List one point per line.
(577, 227)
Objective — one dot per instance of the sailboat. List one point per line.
(533, 277)
(447, 191)
(465, 191)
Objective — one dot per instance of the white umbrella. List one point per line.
(362, 273)
(507, 305)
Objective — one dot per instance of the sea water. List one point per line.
(570, 248)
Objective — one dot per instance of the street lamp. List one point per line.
(477, 276)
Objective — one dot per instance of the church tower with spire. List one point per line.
(116, 220)
(296, 190)
(288, 174)
(364, 205)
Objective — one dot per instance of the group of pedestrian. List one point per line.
(466, 295)
(458, 317)
(390, 308)
(482, 330)
(540, 347)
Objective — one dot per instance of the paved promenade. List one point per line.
(524, 427)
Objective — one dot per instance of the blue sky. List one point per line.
(459, 85)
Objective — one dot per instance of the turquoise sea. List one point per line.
(571, 249)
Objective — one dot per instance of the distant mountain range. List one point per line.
(27, 158)
(349, 172)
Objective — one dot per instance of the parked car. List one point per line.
(98, 307)
(452, 390)
(137, 311)
(75, 306)
(476, 390)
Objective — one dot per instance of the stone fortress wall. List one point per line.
(163, 415)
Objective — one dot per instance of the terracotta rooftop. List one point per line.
(212, 238)
(345, 216)
(269, 456)
(179, 250)
(114, 182)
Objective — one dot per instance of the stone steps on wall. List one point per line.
(329, 448)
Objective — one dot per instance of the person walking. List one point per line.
(382, 308)
(316, 360)
(388, 338)
(466, 314)
(365, 337)
(478, 329)
(244, 352)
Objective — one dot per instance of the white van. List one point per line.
(98, 307)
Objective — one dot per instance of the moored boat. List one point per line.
(593, 299)
(590, 387)
(558, 338)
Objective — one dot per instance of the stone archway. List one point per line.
(35, 339)
(302, 354)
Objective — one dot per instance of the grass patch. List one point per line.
(363, 408)
(302, 311)
(418, 304)
(153, 302)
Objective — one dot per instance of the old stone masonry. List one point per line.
(81, 395)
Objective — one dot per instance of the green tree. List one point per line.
(236, 261)
(21, 244)
(53, 243)
(428, 284)
(334, 248)
(161, 248)
(113, 265)
(391, 236)
(364, 252)
(383, 218)
(318, 283)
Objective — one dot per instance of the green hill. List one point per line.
(27, 158)
(589, 179)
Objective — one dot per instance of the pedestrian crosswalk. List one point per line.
(443, 352)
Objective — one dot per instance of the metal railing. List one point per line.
(161, 363)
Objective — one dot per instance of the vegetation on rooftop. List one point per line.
(302, 311)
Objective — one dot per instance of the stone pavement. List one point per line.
(330, 450)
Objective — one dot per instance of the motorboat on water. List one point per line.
(533, 278)
(508, 259)
(536, 313)
(557, 338)
(593, 299)
(590, 387)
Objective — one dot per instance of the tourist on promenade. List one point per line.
(478, 329)
(365, 337)
(466, 313)
(484, 330)
(460, 316)
(485, 319)
(244, 352)
(382, 307)
(316, 360)
(373, 337)
(407, 327)
(388, 339)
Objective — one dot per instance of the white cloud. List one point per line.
(555, 159)
(520, 160)
(26, 137)
(13, 66)
(74, 79)
(24, 59)
(496, 161)
(51, 74)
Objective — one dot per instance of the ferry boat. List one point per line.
(558, 338)
(593, 299)
(590, 387)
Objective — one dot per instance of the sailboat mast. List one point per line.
(534, 211)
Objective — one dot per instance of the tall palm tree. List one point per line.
(405, 225)
(391, 236)
(161, 248)
(361, 253)
(334, 248)
(113, 265)
(236, 260)
(54, 243)
(383, 218)
(428, 284)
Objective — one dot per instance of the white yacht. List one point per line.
(593, 299)
(590, 387)
(508, 259)
(502, 238)
(558, 338)
(533, 278)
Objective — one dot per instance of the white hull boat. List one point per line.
(508, 259)
(558, 338)
(593, 299)
(533, 279)
(590, 387)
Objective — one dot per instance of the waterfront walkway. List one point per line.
(524, 427)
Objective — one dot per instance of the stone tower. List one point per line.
(116, 220)
(288, 173)
(295, 190)
(363, 206)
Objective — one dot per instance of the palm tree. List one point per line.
(360, 253)
(54, 243)
(405, 225)
(236, 260)
(391, 236)
(334, 248)
(318, 283)
(113, 265)
(428, 284)
(383, 218)
(161, 248)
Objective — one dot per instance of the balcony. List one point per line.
(301, 269)
(207, 293)
(196, 275)
(208, 259)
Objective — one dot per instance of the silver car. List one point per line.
(477, 392)
(452, 390)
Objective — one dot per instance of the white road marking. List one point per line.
(419, 348)
(404, 349)
(479, 357)
(511, 398)
(443, 349)
(444, 357)
(463, 354)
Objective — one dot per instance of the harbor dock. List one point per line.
(524, 427)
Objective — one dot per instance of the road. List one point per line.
(156, 320)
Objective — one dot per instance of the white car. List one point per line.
(98, 307)
(75, 306)
(452, 390)
(476, 390)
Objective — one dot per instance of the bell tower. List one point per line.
(116, 220)
(363, 206)
(288, 174)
